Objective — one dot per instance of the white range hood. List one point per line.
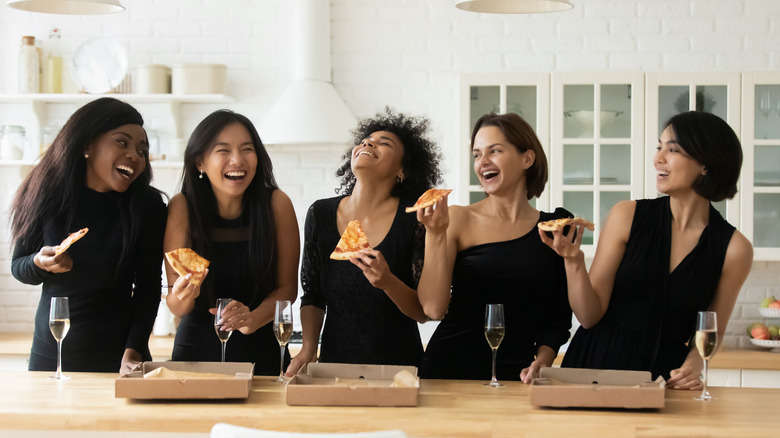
(309, 110)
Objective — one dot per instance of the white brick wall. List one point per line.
(408, 54)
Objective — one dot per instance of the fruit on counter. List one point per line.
(774, 332)
(774, 305)
(752, 326)
(767, 301)
(760, 332)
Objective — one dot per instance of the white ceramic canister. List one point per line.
(12, 142)
(152, 79)
(199, 79)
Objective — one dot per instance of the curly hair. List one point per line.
(421, 155)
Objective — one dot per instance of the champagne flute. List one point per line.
(283, 328)
(223, 335)
(59, 324)
(706, 341)
(766, 103)
(494, 333)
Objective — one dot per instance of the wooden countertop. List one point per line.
(455, 408)
(18, 344)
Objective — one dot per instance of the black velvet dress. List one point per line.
(230, 276)
(362, 324)
(652, 313)
(112, 305)
(529, 279)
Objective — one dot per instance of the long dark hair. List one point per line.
(53, 187)
(256, 202)
(421, 155)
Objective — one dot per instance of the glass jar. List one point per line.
(12, 142)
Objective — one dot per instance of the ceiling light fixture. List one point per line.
(514, 6)
(68, 7)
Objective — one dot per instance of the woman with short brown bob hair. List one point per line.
(489, 252)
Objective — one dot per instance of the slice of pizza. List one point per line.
(352, 241)
(186, 261)
(430, 197)
(70, 240)
(558, 224)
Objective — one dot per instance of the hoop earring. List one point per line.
(201, 174)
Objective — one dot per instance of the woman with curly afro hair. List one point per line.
(371, 301)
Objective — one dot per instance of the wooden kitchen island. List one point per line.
(28, 401)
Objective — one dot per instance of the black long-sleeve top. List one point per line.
(112, 305)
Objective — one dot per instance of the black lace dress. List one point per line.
(652, 313)
(362, 324)
(527, 277)
(229, 277)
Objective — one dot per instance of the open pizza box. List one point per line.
(186, 380)
(578, 387)
(338, 384)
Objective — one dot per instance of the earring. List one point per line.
(400, 177)
(201, 174)
(86, 155)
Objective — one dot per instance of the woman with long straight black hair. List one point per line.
(95, 175)
(231, 211)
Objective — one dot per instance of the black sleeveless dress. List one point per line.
(229, 277)
(530, 280)
(362, 324)
(652, 313)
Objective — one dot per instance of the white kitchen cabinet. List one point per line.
(596, 144)
(37, 111)
(761, 163)
(597, 161)
(527, 95)
(724, 377)
(760, 379)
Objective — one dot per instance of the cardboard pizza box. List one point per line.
(237, 381)
(578, 387)
(338, 384)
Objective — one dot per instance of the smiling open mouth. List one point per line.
(125, 170)
(235, 176)
(489, 174)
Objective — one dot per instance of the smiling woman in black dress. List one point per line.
(95, 175)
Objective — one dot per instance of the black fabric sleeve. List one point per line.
(310, 264)
(148, 273)
(23, 266)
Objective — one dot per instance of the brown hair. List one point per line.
(522, 136)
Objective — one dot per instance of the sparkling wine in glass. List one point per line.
(494, 333)
(283, 328)
(223, 335)
(706, 341)
(59, 324)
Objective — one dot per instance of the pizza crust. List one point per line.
(558, 224)
(70, 240)
(430, 197)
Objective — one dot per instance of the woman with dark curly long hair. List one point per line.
(371, 301)
(95, 175)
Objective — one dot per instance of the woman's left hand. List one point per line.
(684, 377)
(236, 316)
(374, 267)
(130, 361)
(531, 372)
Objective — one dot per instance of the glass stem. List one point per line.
(59, 358)
(281, 363)
(495, 350)
(704, 392)
(224, 344)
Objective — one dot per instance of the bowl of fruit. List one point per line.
(770, 308)
(764, 336)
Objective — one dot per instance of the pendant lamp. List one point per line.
(68, 7)
(514, 6)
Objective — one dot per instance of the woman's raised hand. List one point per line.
(236, 316)
(48, 260)
(435, 218)
(184, 290)
(374, 267)
(566, 245)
